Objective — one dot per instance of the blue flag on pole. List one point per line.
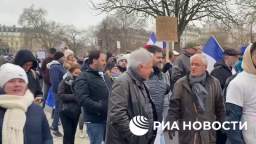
(213, 51)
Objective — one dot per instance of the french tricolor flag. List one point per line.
(153, 41)
(213, 51)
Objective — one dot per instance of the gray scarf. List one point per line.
(200, 93)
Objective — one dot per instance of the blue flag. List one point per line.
(213, 49)
(213, 52)
(50, 101)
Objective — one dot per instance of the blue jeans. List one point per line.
(56, 115)
(96, 132)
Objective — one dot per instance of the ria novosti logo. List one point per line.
(139, 125)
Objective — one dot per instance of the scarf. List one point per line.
(199, 92)
(15, 117)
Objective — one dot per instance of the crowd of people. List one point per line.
(105, 92)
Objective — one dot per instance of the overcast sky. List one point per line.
(76, 12)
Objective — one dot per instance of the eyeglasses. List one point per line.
(197, 65)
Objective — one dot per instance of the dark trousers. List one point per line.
(69, 123)
(81, 120)
(45, 92)
(221, 137)
(56, 115)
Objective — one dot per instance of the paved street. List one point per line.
(57, 140)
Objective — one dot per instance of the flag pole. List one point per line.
(167, 51)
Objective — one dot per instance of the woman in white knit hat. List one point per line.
(21, 121)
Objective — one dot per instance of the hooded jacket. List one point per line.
(56, 71)
(241, 102)
(20, 59)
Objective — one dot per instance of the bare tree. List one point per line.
(185, 10)
(38, 28)
(128, 29)
(72, 35)
(125, 22)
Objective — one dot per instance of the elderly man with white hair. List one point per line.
(130, 98)
(196, 97)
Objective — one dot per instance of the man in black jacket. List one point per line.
(130, 100)
(223, 70)
(93, 89)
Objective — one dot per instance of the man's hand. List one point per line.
(38, 100)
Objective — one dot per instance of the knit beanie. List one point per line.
(121, 57)
(10, 71)
(58, 55)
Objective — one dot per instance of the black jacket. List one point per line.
(93, 93)
(34, 83)
(20, 59)
(69, 103)
(129, 98)
(181, 67)
(222, 72)
(36, 130)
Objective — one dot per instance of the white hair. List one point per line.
(138, 57)
(202, 57)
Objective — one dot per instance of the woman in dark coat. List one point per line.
(69, 105)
